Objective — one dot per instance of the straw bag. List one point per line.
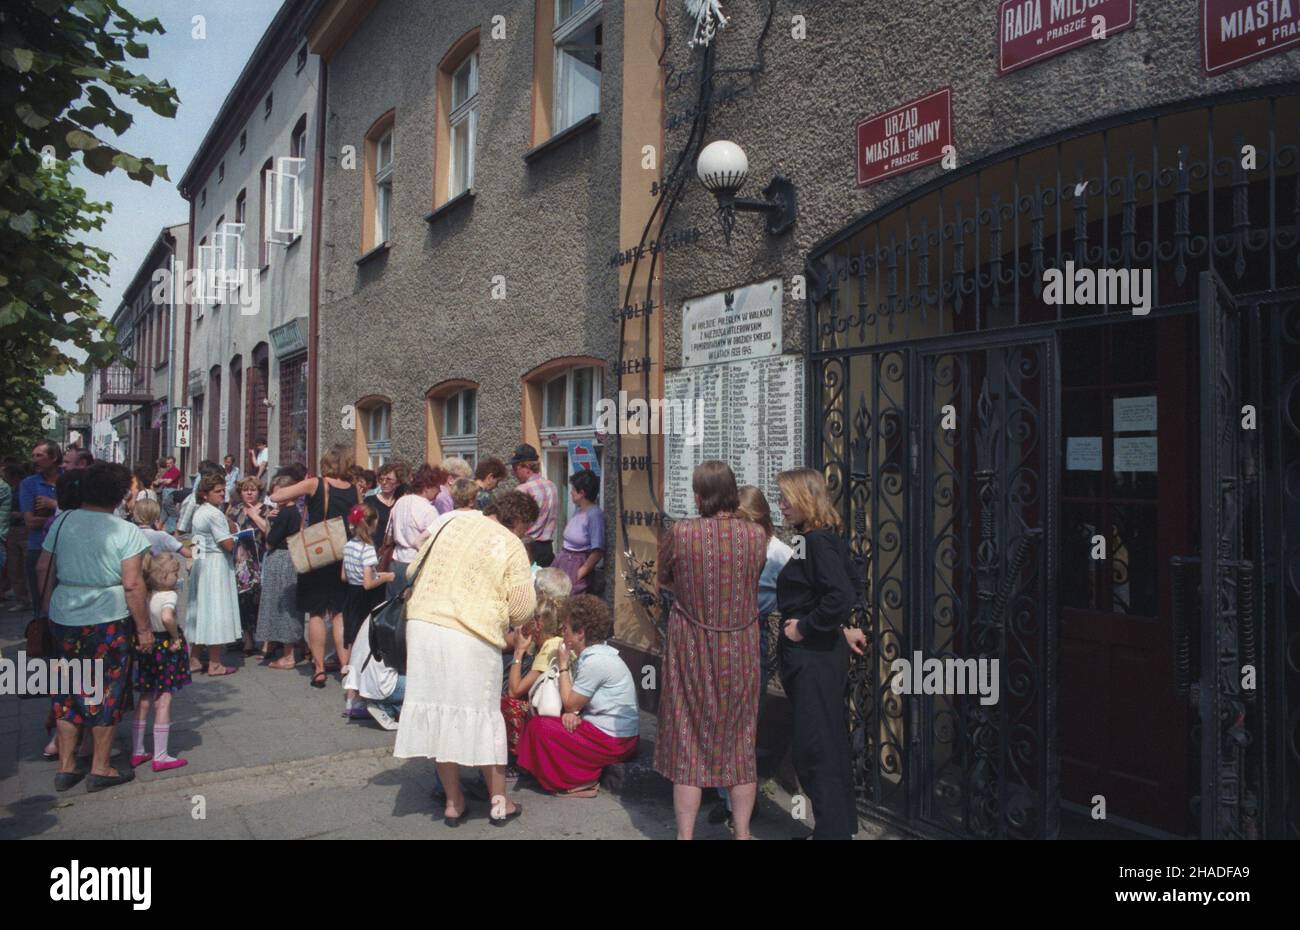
(320, 544)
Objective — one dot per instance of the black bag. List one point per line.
(388, 622)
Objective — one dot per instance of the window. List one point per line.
(383, 186)
(302, 59)
(266, 109)
(221, 172)
(463, 126)
(217, 268)
(263, 214)
(293, 411)
(243, 141)
(298, 142)
(203, 198)
(578, 37)
(460, 425)
(379, 445)
(568, 413)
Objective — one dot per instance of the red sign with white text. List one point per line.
(1030, 30)
(1234, 32)
(905, 137)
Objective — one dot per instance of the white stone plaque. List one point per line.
(753, 421)
(1134, 414)
(1135, 453)
(1083, 453)
(732, 326)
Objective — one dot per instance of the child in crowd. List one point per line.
(366, 585)
(541, 635)
(162, 670)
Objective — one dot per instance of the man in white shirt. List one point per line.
(261, 457)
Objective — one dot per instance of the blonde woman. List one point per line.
(322, 593)
(541, 635)
(456, 468)
(815, 597)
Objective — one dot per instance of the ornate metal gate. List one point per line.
(928, 315)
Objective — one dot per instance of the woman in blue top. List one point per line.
(584, 536)
(96, 594)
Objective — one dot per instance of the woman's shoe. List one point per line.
(100, 782)
(318, 680)
(513, 815)
(169, 764)
(141, 760)
(65, 780)
(454, 822)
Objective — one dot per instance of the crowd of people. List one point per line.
(508, 665)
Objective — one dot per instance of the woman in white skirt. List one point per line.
(473, 582)
(212, 613)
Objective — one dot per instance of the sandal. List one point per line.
(582, 791)
(513, 815)
(319, 679)
(281, 665)
(225, 670)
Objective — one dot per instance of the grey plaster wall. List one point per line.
(860, 59)
(422, 313)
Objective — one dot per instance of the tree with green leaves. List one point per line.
(62, 81)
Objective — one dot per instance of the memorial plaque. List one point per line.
(733, 325)
(1031, 30)
(1234, 32)
(904, 138)
(753, 421)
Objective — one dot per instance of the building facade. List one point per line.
(248, 273)
(1084, 487)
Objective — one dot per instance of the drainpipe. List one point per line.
(186, 457)
(313, 301)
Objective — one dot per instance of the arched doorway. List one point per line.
(1050, 482)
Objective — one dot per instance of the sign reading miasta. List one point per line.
(1031, 30)
(905, 137)
(1234, 32)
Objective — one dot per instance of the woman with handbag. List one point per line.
(469, 583)
(94, 595)
(708, 711)
(249, 517)
(542, 636)
(322, 593)
(278, 618)
(410, 521)
(212, 610)
(600, 723)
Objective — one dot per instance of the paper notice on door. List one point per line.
(1134, 414)
(1135, 453)
(1083, 453)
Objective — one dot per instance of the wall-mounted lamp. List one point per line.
(723, 167)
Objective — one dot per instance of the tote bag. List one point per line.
(320, 544)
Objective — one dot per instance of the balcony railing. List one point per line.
(120, 385)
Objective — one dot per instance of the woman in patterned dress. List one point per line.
(250, 514)
(708, 712)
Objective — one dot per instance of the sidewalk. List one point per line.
(271, 758)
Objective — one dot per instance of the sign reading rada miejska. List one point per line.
(1234, 32)
(905, 137)
(1030, 30)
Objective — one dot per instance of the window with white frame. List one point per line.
(383, 186)
(463, 123)
(379, 444)
(568, 413)
(460, 425)
(579, 37)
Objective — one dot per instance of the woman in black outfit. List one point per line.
(815, 598)
(321, 592)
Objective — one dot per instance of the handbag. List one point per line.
(544, 695)
(388, 621)
(40, 632)
(388, 546)
(319, 544)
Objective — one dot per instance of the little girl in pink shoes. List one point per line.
(162, 670)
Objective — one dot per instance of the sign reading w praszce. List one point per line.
(1031, 30)
(905, 137)
(1234, 32)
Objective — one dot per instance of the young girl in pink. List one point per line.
(164, 669)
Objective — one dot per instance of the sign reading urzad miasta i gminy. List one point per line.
(905, 137)
(1234, 32)
(1030, 30)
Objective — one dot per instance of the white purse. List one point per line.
(544, 695)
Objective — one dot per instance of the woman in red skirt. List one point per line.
(708, 711)
(601, 724)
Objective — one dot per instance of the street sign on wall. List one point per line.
(183, 426)
(904, 138)
(1031, 30)
(1234, 32)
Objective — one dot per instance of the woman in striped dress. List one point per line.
(708, 712)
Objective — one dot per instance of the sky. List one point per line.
(202, 70)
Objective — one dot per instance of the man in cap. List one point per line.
(540, 538)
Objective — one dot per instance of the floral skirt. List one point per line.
(106, 642)
(161, 671)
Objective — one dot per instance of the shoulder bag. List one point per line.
(389, 545)
(388, 621)
(544, 695)
(319, 544)
(40, 632)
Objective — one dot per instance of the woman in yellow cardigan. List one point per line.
(474, 582)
